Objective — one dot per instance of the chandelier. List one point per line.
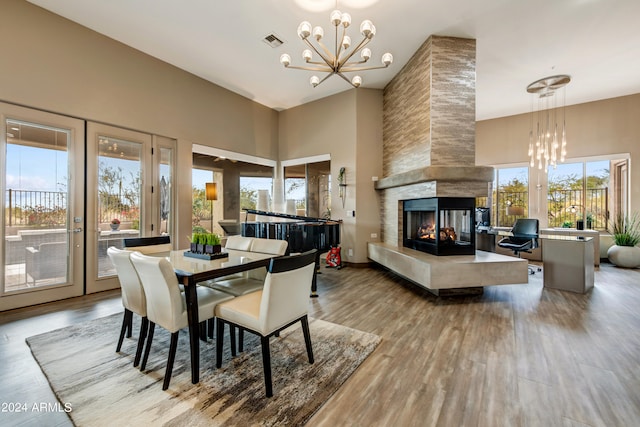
(549, 137)
(338, 61)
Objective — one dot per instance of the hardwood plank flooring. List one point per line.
(518, 355)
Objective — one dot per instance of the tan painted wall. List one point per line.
(348, 127)
(53, 64)
(598, 128)
(368, 165)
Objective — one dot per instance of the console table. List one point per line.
(568, 263)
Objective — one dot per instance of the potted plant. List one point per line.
(213, 245)
(193, 245)
(201, 242)
(626, 236)
(115, 224)
(581, 222)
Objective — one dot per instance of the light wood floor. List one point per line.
(519, 355)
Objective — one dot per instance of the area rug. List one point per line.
(104, 389)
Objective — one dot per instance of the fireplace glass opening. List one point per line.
(440, 225)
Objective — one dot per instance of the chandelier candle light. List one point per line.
(547, 139)
(336, 62)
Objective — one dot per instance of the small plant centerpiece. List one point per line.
(205, 246)
(626, 236)
(115, 224)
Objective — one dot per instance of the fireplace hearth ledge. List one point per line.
(439, 174)
(457, 272)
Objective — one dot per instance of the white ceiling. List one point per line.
(597, 42)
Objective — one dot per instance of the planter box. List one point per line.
(207, 257)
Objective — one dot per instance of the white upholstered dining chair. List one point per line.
(251, 280)
(281, 303)
(166, 305)
(133, 298)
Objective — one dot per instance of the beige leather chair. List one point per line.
(133, 298)
(166, 305)
(253, 279)
(282, 302)
(269, 246)
(239, 243)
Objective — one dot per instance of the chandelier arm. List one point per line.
(345, 79)
(339, 46)
(337, 49)
(362, 44)
(327, 76)
(352, 69)
(331, 73)
(324, 69)
(328, 55)
(324, 64)
(320, 54)
(349, 64)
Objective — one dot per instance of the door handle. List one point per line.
(77, 230)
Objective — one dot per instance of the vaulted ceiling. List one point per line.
(597, 42)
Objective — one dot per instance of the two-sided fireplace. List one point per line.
(440, 225)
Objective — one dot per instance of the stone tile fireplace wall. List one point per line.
(429, 131)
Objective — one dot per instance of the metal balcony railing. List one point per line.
(590, 206)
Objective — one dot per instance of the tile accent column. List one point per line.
(429, 122)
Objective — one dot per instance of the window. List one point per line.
(510, 195)
(295, 187)
(307, 187)
(255, 193)
(579, 195)
(205, 212)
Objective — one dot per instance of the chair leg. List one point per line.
(128, 314)
(210, 327)
(203, 331)
(152, 327)
(219, 338)
(172, 357)
(130, 325)
(240, 340)
(266, 365)
(144, 327)
(232, 338)
(307, 337)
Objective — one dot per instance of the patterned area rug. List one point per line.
(104, 389)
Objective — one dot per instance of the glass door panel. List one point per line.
(118, 168)
(119, 194)
(163, 163)
(41, 205)
(37, 218)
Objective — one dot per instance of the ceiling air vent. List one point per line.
(272, 40)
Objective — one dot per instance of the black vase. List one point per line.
(580, 224)
(212, 249)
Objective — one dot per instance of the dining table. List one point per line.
(190, 271)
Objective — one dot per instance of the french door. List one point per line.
(42, 246)
(129, 182)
